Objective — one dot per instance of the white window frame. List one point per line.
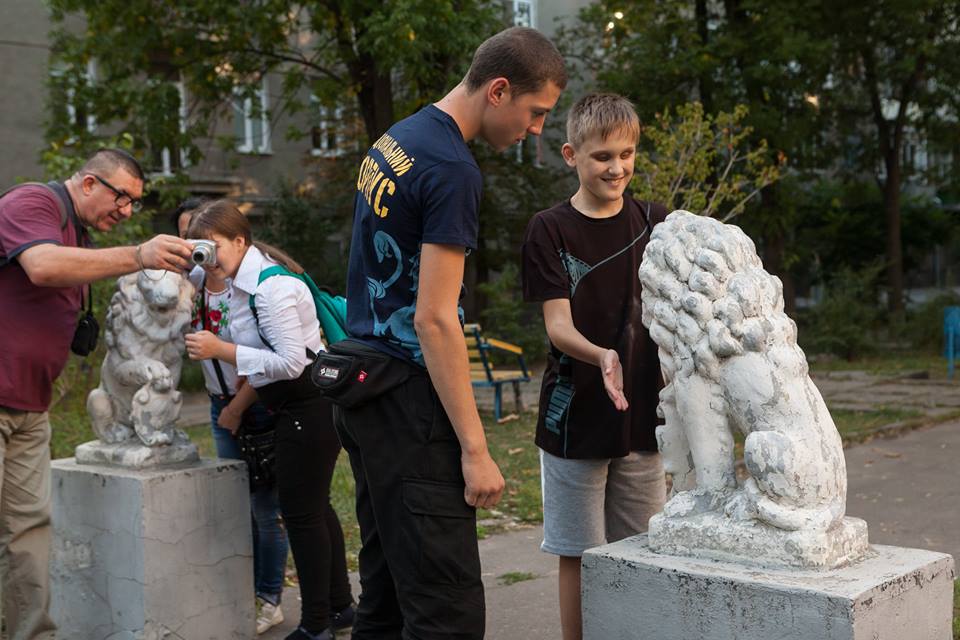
(70, 95)
(245, 110)
(166, 164)
(517, 21)
(327, 118)
(533, 13)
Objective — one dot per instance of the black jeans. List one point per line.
(419, 564)
(306, 453)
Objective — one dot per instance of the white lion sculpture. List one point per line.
(730, 361)
(146, 322)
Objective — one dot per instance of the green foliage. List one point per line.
(507, 317)
(923, 328)
(840, 225)
(382, 58)
(702, 163)
(513, 577)
(313, 227)
(844, 321)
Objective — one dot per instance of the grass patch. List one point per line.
(511, 445)
(852, 424)
(888, 364)
(513, 577)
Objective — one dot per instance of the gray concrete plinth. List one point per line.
(152, 554)
(894, 593)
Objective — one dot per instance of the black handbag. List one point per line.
(258, 449)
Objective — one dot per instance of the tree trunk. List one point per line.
(704, 82)
(375, 98)
(891, 210)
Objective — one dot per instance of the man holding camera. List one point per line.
(45, 267)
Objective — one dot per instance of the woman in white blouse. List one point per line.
(274, 339)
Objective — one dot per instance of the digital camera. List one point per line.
(204, 252)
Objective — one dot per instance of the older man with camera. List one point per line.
(46, 266)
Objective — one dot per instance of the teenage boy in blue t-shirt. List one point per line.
(602, 477)
(418, 451)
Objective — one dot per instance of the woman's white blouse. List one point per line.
(287, 319)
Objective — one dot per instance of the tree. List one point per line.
(702, 163)
(665, 53)
(893, 70)
(388, 57)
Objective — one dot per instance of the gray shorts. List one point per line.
(587, 503)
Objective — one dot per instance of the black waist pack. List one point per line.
(351, 374)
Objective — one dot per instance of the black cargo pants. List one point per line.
(419, 563)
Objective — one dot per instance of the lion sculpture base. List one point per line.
(717, 537)
(133, 454)
(731, 365)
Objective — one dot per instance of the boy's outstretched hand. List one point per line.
(613, 379)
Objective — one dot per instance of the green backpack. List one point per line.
(331, 309)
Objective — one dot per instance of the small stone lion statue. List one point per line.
(731, 362)
(146, 322)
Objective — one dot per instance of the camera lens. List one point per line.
(199, 256)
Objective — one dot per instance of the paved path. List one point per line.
(906, 488)
(857, 390)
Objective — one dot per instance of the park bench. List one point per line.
(483, 373)
(951, 336)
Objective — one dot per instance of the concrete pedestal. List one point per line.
(152, 554)
(894, 593)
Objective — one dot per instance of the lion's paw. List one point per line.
(740, 507)
(114, 433)
(155, 438)
(697, 501)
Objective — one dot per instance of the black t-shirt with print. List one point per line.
(594, 263)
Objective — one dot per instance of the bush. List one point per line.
(313, 227)
(924, 325)
(507, 317)
(844, 322)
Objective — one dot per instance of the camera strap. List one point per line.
(205, 323)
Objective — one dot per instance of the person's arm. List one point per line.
(279, 322)
(232, 414)
(205, 345)
(445, 353)
(54, 265)
(558, 319)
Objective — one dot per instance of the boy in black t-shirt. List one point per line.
(602, 475)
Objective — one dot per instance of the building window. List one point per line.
(252, 120)
(167, 160)
(325, 134)
(524, 13)
(74, 112)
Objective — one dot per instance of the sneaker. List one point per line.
(269, 615)
(343, 620)
(302, 634)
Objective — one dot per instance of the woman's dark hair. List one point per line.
(187, 206)
(222, 217)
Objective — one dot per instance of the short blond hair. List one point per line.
(603, 114)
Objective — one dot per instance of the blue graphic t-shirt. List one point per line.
(417, 184)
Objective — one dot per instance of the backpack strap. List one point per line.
(61, 206)
(329, 308)
(205, 325)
